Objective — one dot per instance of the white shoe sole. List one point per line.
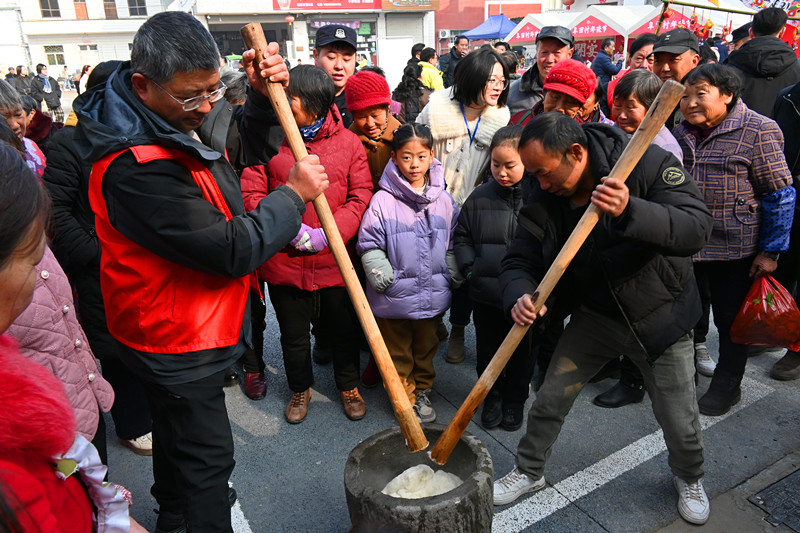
(510, 497)
(688, 515)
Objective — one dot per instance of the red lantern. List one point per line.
(567, 3)
(289, 19)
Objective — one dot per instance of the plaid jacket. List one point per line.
(736, 167)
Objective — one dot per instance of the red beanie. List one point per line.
(572, 78)
(366, 89)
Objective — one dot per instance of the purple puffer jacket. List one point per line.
(415, 231)
(48, 333)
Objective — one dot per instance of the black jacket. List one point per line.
(52, 98)
(486, 225)
(159, 206)
(447, 66)
(768, 65)
(637, 266)
(787, 114)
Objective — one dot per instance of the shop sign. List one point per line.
(322, 5)
(410, 5)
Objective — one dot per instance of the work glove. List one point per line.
(310, 240)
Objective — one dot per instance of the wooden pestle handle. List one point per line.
(253, 36)
(668, 97)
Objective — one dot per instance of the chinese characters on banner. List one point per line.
(526, 34)
(321, 5)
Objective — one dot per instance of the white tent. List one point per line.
(529, 27)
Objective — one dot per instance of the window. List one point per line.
(111, 9)
(80, 10)
(87, 47)
(49, 8)
(55, 54)
(137, 8)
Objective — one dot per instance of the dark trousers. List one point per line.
(294, 309)
(701, 329)
(192, 452)
(728, 283)
(491, 328)
(460, 306)
(130, 411)
(788, 272)
(253, 358)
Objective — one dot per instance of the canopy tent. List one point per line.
(528, 28)
(495, 27)
(672, 20)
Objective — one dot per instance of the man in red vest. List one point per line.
(178, 246)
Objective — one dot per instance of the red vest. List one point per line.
(156, 305)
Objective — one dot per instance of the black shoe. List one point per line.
(609, 370)
(492, 412)
(619, 395)
(512, 416)
(170, 523)
(231, 377)
(723, 393)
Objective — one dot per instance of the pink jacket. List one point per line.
(49, 334)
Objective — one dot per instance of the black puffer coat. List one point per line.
(637, 266)
(486, 226)
(768, 65)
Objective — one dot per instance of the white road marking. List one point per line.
(238, 521)
(549, 500)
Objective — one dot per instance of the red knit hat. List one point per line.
(365, 89)
(572, 78)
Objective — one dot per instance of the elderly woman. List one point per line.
(368, 99)
(463, 119)
(634, 95)
(571, 88)
(736, 156)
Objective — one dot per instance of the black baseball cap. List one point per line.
(557, 32)
(677, 41)
(741, 32)
(335, 33)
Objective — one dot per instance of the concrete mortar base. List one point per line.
(378, 459)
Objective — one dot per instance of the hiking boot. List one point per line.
(492, 413)
(787, 367)
(513, 485)
(255, 385)
(455, 347)
(140, 445)
(702, 360)
(423, 408)
(513, 414)
(372, 374)
(723, 393)
(297, 409)
(620, 395)
(693, 504)
(353, 403)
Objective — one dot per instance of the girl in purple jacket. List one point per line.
(405, 244)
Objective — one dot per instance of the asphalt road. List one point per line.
(608, 470)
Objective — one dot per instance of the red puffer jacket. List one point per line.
(341, 153)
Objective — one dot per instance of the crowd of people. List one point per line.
(176, 207)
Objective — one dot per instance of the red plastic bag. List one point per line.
(768, 317)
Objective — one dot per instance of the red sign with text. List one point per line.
(321, 5)
(592, 27)
(525, 34)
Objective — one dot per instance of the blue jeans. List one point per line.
(589, 341)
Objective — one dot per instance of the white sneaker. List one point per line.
(693, 503)
(702, 360)
(513, 485)
(142, 445)
(423, 408)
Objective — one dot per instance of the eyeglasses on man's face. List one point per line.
(190, 104)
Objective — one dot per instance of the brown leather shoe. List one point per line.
(297, 409)
(354, 406)
(255, 386)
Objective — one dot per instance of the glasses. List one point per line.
(493, 83)
(190, 104)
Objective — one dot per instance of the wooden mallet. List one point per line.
(668, 97)
(253, 36)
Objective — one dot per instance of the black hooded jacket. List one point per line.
(159, 206)
(768, 65)
(638, 266)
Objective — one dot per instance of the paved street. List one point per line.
(608, 471)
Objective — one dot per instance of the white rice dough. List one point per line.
(421, 482)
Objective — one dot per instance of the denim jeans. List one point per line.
(589, 341)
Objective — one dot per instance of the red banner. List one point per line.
(322, 5)
(672, 19)
(593, 27)
(526, 34)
